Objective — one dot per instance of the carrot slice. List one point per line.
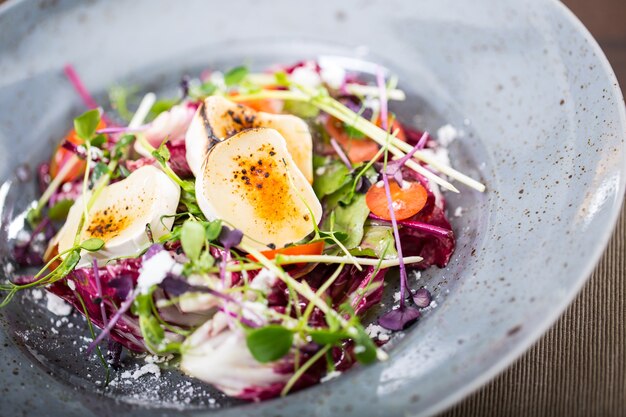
(358, 149)
(315, 248)
(62, 156)
(407, 201)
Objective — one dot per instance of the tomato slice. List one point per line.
(314, 248)
(62, 156)
(406, 201)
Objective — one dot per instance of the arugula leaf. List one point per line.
(86, 124)
(235, 76)
(377, 242)
(334, 176)
(92, 245)
(192, 239)
(269, 343)
(350, 220)
(60, 210)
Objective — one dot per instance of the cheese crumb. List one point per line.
(378, 332)
(154, 270)
(458, 212)
(57, 306)
(447, 134)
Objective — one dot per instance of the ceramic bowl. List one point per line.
(543, 126)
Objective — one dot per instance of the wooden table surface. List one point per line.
(579, 367)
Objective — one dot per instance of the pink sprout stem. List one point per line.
(342, 155)
(380, 80)
(118, 314)
(73, 77)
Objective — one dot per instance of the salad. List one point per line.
(244, 227)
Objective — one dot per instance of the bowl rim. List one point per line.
(542, 327)
(448, 400)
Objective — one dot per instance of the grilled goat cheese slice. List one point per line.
(251, 182)
(121, 212)
(218, 118)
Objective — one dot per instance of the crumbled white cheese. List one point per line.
(148, 368)
(447, 134)
(320, 170)
(37, 294)
(57, 306)
(71, 284)
(417, 275)
(306, 76)
(458, 212)
(396, 296)
(154, 270)
(263, 281)
(330, 375)
(332, 74)
(378, 332)
(440, 154)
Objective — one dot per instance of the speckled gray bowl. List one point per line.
(544, 128)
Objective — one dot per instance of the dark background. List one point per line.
(579, 367)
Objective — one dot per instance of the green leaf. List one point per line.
(99, 170)
(33, 217)
(269, 343)
(377, 242)
(350, 220)
(301, 109)
(68, 264)
(92, 244)
(235, 76)
(161, 106)
(332, 177)
(352, 132)
(151, 331)
(162, 154)
(204, 262)
(207, 88)
(122, 144)
(142, 305)
(59, 211)
(98, 140)
(85, 125)
(327, 337)
(192, 238)
(213, 230)
(282, 78)
(364, 349)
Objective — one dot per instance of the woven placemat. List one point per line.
(578, 368)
